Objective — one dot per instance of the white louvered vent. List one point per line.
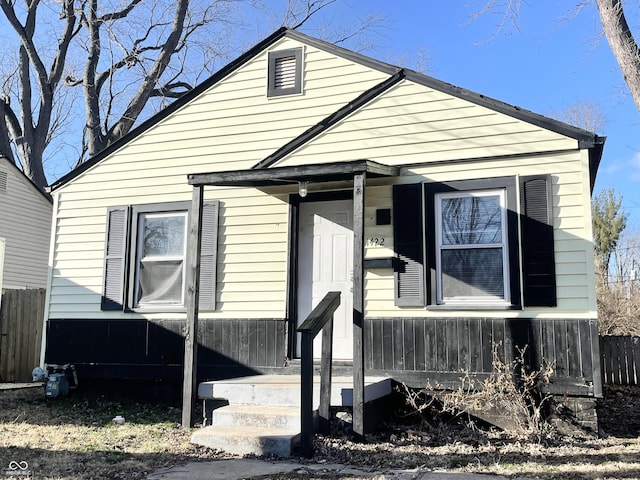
(285, 72)
(3, 182)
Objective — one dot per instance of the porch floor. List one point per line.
(284, 390)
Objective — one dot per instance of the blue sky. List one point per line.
(553, 59)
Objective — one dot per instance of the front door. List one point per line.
(325, 263)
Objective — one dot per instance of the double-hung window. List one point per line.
(160, 258)
(146, 256)
(480, 243)
(471, 247)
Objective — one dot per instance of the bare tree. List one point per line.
(619, 297)
(615, 26)
(622, 43)
(586, 114)
(27, 123)
(127, 56)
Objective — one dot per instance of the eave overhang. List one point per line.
(279, 176)
(595, 157)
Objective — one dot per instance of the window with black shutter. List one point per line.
(146, 255)
(457, 243)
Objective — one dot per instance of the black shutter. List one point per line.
(208, 253)
(408, 245)
(115, 258)
(538, 264)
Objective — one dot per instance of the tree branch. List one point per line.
(70, 31)
(169, 90)
(96, 140)
(150, 81)
(108, 17)
(25, 34)
(623, 45)
(312, 7)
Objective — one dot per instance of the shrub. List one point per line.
(513, 393)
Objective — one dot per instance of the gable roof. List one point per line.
(585, 139)
(20, 173)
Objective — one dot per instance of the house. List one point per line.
(454, 225)
(25, 225)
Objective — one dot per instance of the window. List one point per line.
(160, 258)
(146, 257)
(471, 247)
(471, 244)
(284, 72)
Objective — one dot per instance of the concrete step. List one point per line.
(284, 390)
(260, 414)
(244, 440)
(265, 417)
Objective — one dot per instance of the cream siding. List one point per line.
(25, 223)
(572, 230)
(233, 125)
(407, 125)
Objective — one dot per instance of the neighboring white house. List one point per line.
(25, 227)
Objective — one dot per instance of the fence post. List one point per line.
(306, 400)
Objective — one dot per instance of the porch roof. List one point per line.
(263, 177)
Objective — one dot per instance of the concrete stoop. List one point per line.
(261, 414)
(247, 439)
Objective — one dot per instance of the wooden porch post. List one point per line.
(359, 181)
(189, 384)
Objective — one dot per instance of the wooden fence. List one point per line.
(620, 360)
(21, 314)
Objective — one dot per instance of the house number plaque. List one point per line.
(378, 241)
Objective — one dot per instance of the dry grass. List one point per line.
(74, 438)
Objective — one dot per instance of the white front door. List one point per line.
(325, 264)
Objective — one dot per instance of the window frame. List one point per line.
(144, 259)
(119, 255)
(530, 224)
(273, 57)
(137, 211)
(508, 184)
(440, 247)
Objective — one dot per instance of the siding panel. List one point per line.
(25, 224)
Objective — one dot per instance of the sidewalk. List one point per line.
(249, 468)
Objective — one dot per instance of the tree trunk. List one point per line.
(622, 43)
(5, 141)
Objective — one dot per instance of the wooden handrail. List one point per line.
(321, 318)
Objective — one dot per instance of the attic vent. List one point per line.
(3, 182)
(285, 72)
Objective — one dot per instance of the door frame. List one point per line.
(292, 287)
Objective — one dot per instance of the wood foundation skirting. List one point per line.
(415, 351)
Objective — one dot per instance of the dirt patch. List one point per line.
(75, 438)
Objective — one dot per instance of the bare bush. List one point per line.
(618, 309)
(512, 392)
